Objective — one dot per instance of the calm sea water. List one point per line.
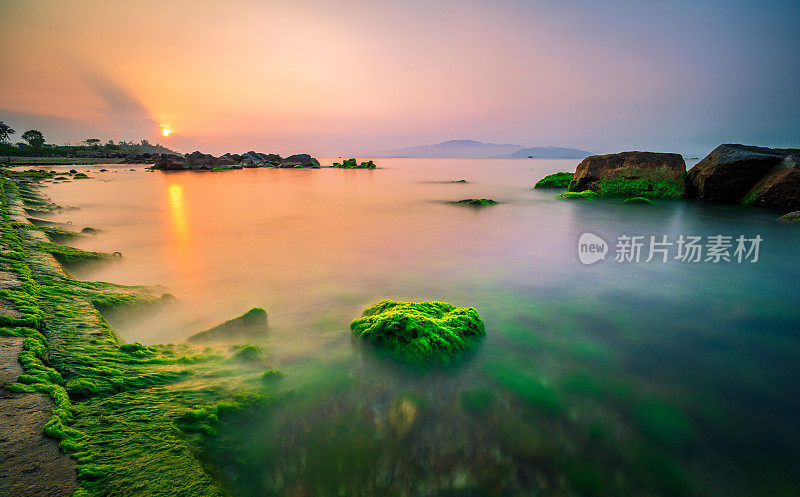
(615, 378)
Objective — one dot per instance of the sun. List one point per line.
(166, 131)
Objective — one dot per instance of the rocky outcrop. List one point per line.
(198, 161)
(631, 174)
(299, 160)
(731, 173)
(250, 325)
(780, 188)
(170, 162)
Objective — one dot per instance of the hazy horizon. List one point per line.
(344, 78)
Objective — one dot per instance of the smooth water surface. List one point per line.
(609, 379)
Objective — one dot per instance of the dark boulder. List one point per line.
(199, 160)
(273, 159)
(631, 174)
(299, 160)
(779, 189)
(731, 171)
(169, 162)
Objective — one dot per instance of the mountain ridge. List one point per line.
(473, 149)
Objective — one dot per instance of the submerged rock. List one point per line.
(555, 180)
(420, 331)
(250, 325)
(476, 202)
(631, 174)
(638, 200)
(730, 171)
(792, 217)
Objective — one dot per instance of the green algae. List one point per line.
(69, 256)
(639, 182)
(419, 331)
(353, 164)
(475, 202)
(555, 180)
(80, 176)
(584, 195)
(638, 200)
(120, 409)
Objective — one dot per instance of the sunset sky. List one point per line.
(349, 77)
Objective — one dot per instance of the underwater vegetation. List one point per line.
(584, 195)
(419, 331)
(475, 202)
(353, 164)
(555, 180)
(638, 200)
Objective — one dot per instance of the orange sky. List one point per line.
(328, 77)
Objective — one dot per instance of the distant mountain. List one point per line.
(471, 149)
(550, 153)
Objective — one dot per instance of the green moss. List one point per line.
(638, 200)
(555, 180)
(423, 331)
(353, 164)
(80, 176)
(70, 256)
(247, 353)
(638, 182)
(475, 202)
(584, 195)
(271, 374)
(120, 409)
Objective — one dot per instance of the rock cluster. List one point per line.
(198, 161)
(742, 174)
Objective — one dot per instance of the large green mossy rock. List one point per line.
(250, 325)
(631, 174)
(433, 332)
(555, 180)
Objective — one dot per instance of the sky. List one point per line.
(335, 78)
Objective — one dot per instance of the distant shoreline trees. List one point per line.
(5, 132)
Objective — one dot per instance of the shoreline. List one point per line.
(107, 397)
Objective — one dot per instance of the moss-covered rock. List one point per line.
(353, 164)
(476, 202)
(252, 324)
(631, 174)
(584, 195)
(792, 218)
(420, 331)
(555, 180)
(638, 200)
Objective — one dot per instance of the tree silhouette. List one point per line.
(5, 132)
(34, 137)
